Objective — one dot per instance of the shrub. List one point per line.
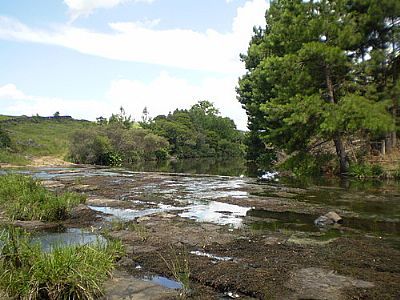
(304, 164)
(90, 146)
(114, 145)
(5, 141)
(365, 170)
(24, 198)
(73, 272)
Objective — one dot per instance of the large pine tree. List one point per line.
(314, 74)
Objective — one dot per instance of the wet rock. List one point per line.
(83, 188)
(328, 219)
(334, 217)
(126, 262)
(36, 225)
(99, 201)
(125, 287)
(317, 283)
(52, 184)
(82, 215)
(309, 241)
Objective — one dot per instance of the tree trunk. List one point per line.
(341, 153)
(394, 97)
(340, 149)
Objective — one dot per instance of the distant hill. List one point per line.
(38, 136)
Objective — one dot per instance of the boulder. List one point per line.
(328, 219)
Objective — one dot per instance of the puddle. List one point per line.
(305, 223)
(212, 256)
(164, 281)
(69, 237)
(217, 213)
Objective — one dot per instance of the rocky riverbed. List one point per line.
(235, 237)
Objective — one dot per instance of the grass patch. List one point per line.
(177, 263)
(9, 157)
(23, 198)
(40, 137)
(118, 224)
(74, 272)
(366, 170)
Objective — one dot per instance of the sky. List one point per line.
(87, 58)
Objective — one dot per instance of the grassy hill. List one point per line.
(38, 136)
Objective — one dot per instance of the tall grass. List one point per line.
(74, 272)
(177, 263)
(23, 198)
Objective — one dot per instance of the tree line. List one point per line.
(185, 133)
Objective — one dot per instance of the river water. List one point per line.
(203, 191)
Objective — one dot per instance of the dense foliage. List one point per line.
(198, 132)
(322, 72)
(73, 272)
(115, 145)
(23, 198)
(5, 141)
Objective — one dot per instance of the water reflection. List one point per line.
(233, 167)
(68, 237)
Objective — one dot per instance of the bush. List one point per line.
(5, 141)
(365, 170)
(23, 198)
(114, 145)
(73, 272)
(90, 146)
(304, 164)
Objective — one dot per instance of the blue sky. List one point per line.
(87, 58)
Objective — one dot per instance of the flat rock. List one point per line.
(317, 283)
(52, 184)
(98, 201)
(126, 287)
(35, 225)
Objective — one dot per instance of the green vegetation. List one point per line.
(5, 141)
(320, 76)
(177, 263)
(118, 224)
(366, 170)
(23, 198)
(114, 145)
(37, 136)
(74, 272)
(198, 132)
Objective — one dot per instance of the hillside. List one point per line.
(38, 136)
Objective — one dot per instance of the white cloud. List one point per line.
(10, 92)
(23, 104)
(79, 8)
(165, 93)
(133, 41)
(161, 95)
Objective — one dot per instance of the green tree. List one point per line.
(301, 85)
(121, 119)
(199, 132)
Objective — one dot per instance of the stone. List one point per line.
(125, 287)
(334, 217)
(318, 283)
(330, 218)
